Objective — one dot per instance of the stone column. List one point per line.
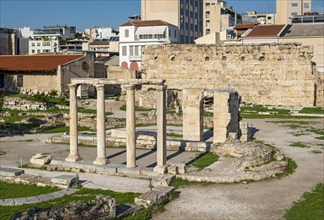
(101, 131)
(130, 127)
(161, 128)
(74, 155)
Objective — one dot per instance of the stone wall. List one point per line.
(272, 74)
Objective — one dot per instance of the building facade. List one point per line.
(187, 15)
(217, 18)
(286, 9)
(134, 36)
(8, 41)
(262, 18)
(43, 73)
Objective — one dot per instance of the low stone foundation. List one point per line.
(102, 207)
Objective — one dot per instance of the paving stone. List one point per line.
(129, 171)
(9, 172)
(65, 180)
(7, 202)
(20, 201)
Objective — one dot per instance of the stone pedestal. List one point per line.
(74, 155)
(130, 127)
(161, 126)
(101, 131)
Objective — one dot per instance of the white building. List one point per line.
(44, 44)
(135, 35)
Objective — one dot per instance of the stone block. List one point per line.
(173, 169)
(161, 169)
(154, 197)
(10, 172)
(64, 180)
(164, 180)
(40, 159)
(129, 171)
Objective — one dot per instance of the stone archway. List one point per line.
(225, 119)
(124, 65)
(134, 66)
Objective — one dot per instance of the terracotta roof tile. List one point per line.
(147, 23)
(244, 26)
(35, 62)
(266, 31)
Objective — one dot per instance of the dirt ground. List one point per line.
(267, 199)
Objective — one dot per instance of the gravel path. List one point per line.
(266, 199)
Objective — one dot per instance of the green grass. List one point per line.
(260, 108)
(137, 108)
(257, 116)
(63, 129)
(309, 207)
(181, 182)
(299, 144)
(205, 160)
(290, 168)
(82, 195)
(174, 135)
(316, 151)
(317, 110)
(320, 138)
(40, 98)
(91, 111)
(12, 190)
(208, 114)
(2, 152)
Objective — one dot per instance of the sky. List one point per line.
(104, 13)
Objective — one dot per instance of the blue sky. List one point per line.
(88, 13)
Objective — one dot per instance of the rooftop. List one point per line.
(146, 23)
(244, 26)
(266, 31)
(37, 63)
(299, 30)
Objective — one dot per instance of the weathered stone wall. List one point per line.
(273, 74)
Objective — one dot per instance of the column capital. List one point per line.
(73, 86)
(129, 87)
(100, 86)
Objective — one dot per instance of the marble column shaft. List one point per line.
(161, 125)
(130, 127)
(101, 128)
(74, 155)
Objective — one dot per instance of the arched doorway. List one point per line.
(124, 65)
(134, 66)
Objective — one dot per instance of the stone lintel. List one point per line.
(105, 81)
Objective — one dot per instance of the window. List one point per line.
(175, 33)
(294, 4)
(38, 44)
(20, 81)
(269, 18)
(124, 51)
(38, 51)
(208, 24)
(33, 44)
(46, 43)
(33, 51)
(294, 13)
(131, 48)
(126, 33)
(136, 51)
(306, 5)
(207, 14)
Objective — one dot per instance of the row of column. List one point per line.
(101, 158)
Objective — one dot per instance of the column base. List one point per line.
(161, 169)
(101, 161)
(73, 158)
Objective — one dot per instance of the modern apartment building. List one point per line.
(217, 18)
(43, 44)
(286, 9)
(187, 15)
(262, 18)
(134, 36)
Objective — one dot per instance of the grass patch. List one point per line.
(310, 206)
(205, 160)
(320, 138)
(82, 195)
(299, 144)
(12, 190)
(63, 129)
(260, 108)
(2, 152)
(41, 98)
(317, 110)
(290, 168)
(258, 116)
(91, 111)
(208, 114)
(137, 108)
(174, 135)
(316, 151)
